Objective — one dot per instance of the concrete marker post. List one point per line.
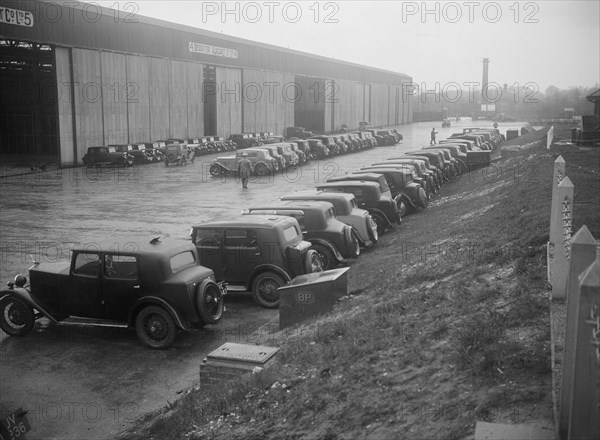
(562, 248)
(584, 417)
(549, 137)
(583, 254)
(555, 217)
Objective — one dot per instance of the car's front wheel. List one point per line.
(16, 317)
(264, 289)
(155, 327)
(313, 262)
(261, 169)
(215, 170)
(327, 257)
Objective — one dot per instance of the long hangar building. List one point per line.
(75, 75)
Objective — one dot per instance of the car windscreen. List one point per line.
(291, 233)
(182, 260)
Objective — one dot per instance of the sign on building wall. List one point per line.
(16, 16)
(212, 50)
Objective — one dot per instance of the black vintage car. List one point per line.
(382, 207)
(245, 140)
(107, 156)
(255, 253)
(157, 287)
(333, 240)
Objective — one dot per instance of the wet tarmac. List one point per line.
(80, 382)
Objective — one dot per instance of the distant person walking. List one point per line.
(244, 169)
(433, 133)
(495, 124)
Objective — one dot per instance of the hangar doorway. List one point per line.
(28, 101)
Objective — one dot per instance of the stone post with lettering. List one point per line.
(584, 416)
(549, 137)
(583, 254)
(559, 175)
(562, 244)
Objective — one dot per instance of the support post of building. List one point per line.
(583, 254)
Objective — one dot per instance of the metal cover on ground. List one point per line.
(232, 352)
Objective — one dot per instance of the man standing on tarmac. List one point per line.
(244, 169)
(433, 133)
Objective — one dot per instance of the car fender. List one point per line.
(361, 242)
(25, 296)
(407, 200)
(380, 213)
(223, 167)
(180, 321)
(265, 268)
(329, 246)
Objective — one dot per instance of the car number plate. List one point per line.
(15, 425)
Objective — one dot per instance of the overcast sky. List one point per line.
(544, 42)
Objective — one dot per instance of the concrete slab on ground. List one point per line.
(501, 431)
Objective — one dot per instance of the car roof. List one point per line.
(320, 194)
(357, 182)
(296, 205)
(136, 246)
(250, 221)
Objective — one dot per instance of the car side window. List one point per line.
(207, 238)
(120, 266)
(240, 238)
(87, 264)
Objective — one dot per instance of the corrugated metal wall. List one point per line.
(268, 101)
(195, 103)
(65, 109)
(229, 102)
(87, 99)
(159, 70)
(137, 96)
(178, 100)
(114, 106)
(379, 105)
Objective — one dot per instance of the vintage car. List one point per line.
(302, 157)
(106, 156)
(330, 144)
(260, 159)
(346, 211)
(340, 141)
(298, 132)
(157, 287)
(437, 159)
(333, 240)
(438, 176)
(318, 149)
(453, 168)
(178, 154)
(397, 134)
(456, 153)
(304, 146)
(382, 207)
(150, 149)
(417, 167)
(140, 157)
(446, 123)
(286, 150)
(368, 139)
(270, 138)
(244, 140)
(255, 253)
(404, 189)
(274, 153)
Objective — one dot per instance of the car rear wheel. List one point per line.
(264, 289)
(155, 327)
(16, 317)
(327, 257)
(209, 300)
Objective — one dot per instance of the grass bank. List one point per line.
(447, 323)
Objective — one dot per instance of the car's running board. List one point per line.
(231, 288)
(75, 320)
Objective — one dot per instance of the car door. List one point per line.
(121, 285)
(242, 254)
(208, 242)
(82, 293)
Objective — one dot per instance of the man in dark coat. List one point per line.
(244, 169)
